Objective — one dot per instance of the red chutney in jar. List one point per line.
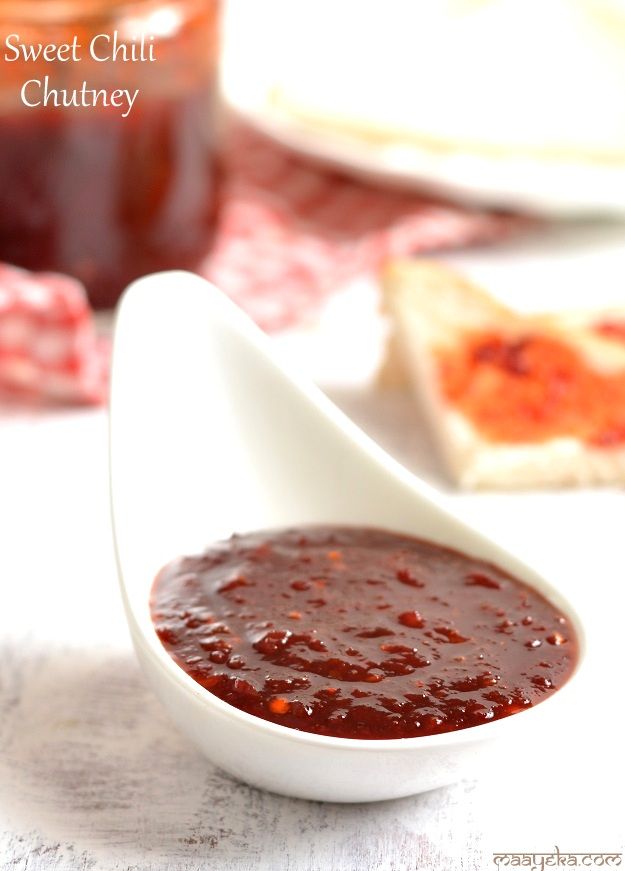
(360, 633)
(534, 387)
(107, 199)
(83, 189)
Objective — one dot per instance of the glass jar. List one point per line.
(107, 141)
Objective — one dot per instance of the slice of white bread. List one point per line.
(432, 310)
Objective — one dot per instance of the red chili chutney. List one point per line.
(108, 192)
(104, 198)
(360, 633)
(534, 387)
(611, 329)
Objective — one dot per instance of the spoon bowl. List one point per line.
(209, 436)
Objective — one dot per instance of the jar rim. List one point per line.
(46, 12)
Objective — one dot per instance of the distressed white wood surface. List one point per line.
(94, 776)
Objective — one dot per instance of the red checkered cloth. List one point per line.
(289, 233)
(48, 345)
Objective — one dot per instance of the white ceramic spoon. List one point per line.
(210, 436)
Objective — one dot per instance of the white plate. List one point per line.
(566, 187)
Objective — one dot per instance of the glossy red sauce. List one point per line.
(532, 388)
(360, 633)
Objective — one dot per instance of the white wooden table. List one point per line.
(94, 776)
